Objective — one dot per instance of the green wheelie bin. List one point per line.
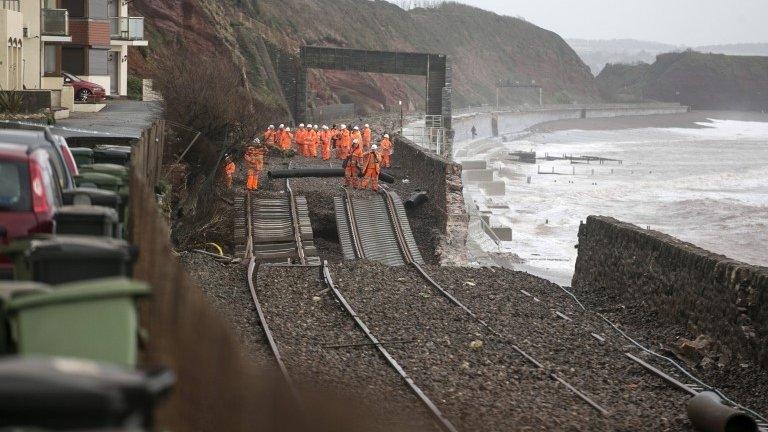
(87, 220)
(8, 291)
(95, 320)
(118, 171)
(112, 154)
(99, 180)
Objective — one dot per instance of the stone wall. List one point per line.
(441, 180)
(705, 292)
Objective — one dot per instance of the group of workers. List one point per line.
(353, 147)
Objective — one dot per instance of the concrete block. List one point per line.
(89, 107)
(478, 175)
(474, 165)
(494, 188)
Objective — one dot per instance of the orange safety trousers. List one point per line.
(371, 177)
(326, 150)
(386, 160)
(350, 175)
(252, 183)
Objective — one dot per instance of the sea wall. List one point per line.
(689, 286)
(514, 121)
(441, 179)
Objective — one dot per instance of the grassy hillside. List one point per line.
(484, 47)
(702, 81)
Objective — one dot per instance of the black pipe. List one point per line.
(708, 414)
(320, 172)
(416, 199)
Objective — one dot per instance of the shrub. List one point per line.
(135, 87)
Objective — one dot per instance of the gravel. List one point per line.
(226, 286)
(306, 321)
(478, 381)
(635, 399)
(740, 380)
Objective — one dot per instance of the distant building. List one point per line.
(101, 33)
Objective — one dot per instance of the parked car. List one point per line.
(85, 91)
(60, 155)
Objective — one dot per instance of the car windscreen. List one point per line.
(14, 187)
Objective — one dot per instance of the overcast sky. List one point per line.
(678, 22)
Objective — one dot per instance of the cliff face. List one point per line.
(484, 47)
(702, 81)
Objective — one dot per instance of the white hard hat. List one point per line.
(271, 126)
(386, 135)
(287, 129)
(354, 141)
(316, 126)
(374, 147)
(343, 126)
(301, 125)
(282, 126)
(366, 125)
(357, 128)
(325, 127)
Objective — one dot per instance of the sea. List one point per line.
(707, 185)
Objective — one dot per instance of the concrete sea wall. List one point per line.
(441, 179)
(705, 292)
(494, 123)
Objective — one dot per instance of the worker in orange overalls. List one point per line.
(366, 137)
(352, 165)
(309, 140)
(386, 151)
(315, 134)
(229, 171)
(270, 136)
(301, 135)
(345, 143)
(285, 139)
(356, 135)
(371, 169)
(325, 140)
(254, 162)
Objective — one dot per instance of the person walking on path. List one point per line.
(372, 169)
(301, 135)
(254, 163)
(351, 165)
(229, 171)
(356, 135)
(386, 151)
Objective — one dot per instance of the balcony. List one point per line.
(14, 5)
(127, 29)
(54, 22)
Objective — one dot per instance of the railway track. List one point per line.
(394, 245)
(277, 233)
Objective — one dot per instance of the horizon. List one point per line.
(716, 22)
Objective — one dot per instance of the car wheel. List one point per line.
(83, 95)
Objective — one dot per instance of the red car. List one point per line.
(85, 91)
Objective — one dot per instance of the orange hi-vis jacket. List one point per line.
(285, 140)
(356, 135)
(310, 142)
(344, 144)
(269, 137)
(301, 133)
(372, 164)
(366, 137)
(325, 139)
(386, 146)
(357, 155)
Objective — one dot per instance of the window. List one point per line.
(14, 187)
(51, 61)
(76, 8)
(73, 60)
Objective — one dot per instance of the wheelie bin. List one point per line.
(113, 154)
(99, 180)
(87, 220)
(60, 259)
(8, 291)
(58, 393)
(95, 320)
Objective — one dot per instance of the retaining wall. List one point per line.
(441, 180)
(518, 121)
(689, 286)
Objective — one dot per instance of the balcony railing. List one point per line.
(54, 22)
(14, 5)
(127, 28)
